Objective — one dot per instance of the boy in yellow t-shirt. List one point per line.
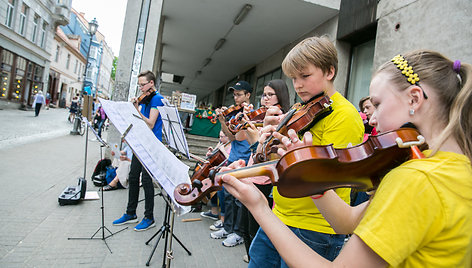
(312, 65)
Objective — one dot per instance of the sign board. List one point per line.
(188, 102)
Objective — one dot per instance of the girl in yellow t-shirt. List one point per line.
(421, 214)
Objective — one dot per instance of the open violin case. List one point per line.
(73, 194)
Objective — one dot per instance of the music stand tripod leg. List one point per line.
(164, 232)
(161, 234)
(103, 227)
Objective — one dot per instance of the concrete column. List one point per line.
(153, 33)
(125, 61)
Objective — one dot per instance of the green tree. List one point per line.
(113, 68)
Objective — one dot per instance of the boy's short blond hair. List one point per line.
(316, 50)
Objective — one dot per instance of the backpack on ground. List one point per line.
(100, 172)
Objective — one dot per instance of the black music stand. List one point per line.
(164, 231)
(102, 227)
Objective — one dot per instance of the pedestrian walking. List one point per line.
(39, 100)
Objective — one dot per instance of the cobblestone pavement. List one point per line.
(34, 229)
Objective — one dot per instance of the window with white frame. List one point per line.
(93, 52)
(35, 28)
(10, 13)
(43, 34)
(88, 76)
(23, 16)
(58, 50)
(76, 65)
(68, 61)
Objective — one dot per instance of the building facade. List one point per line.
(103, 81)
(67, 67)
(26, 31)
(97, 79)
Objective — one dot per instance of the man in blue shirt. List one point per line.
(148, 111)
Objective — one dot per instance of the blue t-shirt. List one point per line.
(239, 150)
(146, 111)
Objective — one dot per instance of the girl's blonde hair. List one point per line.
(454, 91)
(319, 51)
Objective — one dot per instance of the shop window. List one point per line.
(6, 68)
(5, 84)
(17, 87)
(10, 13)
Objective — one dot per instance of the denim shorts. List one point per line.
(263, 253)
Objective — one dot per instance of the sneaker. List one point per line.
(246, 258)
(126, 219)
(216, 226)
(144, 225)
(209, 215)
(219, 234)
(233, 240)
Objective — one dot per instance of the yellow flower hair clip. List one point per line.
(406, 70)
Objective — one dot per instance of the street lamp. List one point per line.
(93, 25)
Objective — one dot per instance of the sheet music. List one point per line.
(173, 129)
(163, 166)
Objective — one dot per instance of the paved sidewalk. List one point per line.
(34, 228)
(21, 127)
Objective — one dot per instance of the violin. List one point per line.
(314, 169)
(256, 117)
(202, 168)
(228, 113)
(300, 118)
(141, 98)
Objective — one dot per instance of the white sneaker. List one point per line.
(233, 240)
(219, 234)
(246, 258)
(216, 226)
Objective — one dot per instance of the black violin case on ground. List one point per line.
(73, 194)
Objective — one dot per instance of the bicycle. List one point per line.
(81, 127)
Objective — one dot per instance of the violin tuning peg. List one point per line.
(274, 149)
(197, 184)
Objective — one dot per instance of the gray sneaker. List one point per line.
(216, 226)
(233, 240)
(219, 234)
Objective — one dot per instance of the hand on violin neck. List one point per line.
(273, 110)
(265, 132)
(252, 132)
(247, 108)
(246, 192)
(292, 141)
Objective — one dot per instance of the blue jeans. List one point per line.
(100, 124)
(219, 198)
(263, 253)
(232, 214)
